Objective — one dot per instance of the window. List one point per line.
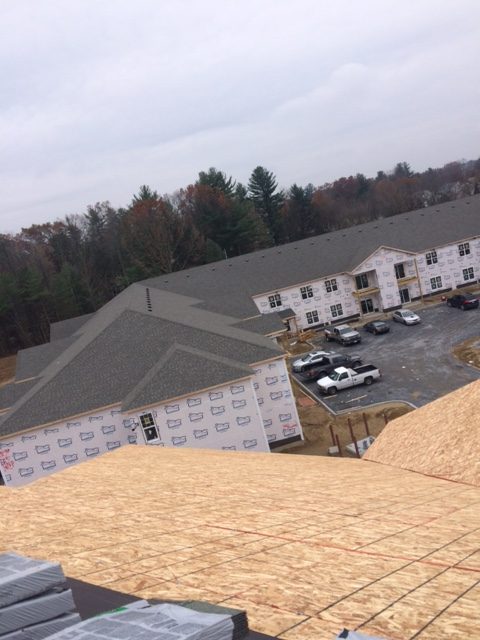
(312, 317)
(367, 305)
(468, 274)
(464, 249)
(362, 281)
(436, 283)
(431, 257)
(275, 300)
(404, 295)
(336, 310)
(331, 285)
(307, 292)
(149, 427)
(399, 271)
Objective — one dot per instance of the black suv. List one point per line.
(327, 364)
(465, 301)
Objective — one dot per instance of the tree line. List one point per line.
(58, 270)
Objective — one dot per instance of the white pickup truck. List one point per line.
(343, 378)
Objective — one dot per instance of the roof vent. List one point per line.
(187, 276)
(376, 226)
(213, 268)
(390, 222)
(230, 265)
(149, 300)
(359, 230)
(344, 235)
(165, 282)
(467, 201)
(296, 248)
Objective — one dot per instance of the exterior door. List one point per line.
(404, 295)
(367, 305)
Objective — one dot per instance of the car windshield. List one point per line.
(346, 330)
(306, 358)
(408, 314)
(334, 375)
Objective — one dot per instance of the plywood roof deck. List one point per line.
(441, 439)
(307, 545)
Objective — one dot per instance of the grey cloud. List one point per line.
(98, 98)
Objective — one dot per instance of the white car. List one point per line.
(309, 360)
(405, 316)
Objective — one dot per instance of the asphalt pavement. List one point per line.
(416, 361)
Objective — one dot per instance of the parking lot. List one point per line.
(416, 362)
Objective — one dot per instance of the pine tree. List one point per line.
(262, 190)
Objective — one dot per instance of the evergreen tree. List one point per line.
(262, 190)
(217, 180)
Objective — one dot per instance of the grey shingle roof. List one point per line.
(66, 328)
(10, 393)
(183, 370)
(31, 362)
(228, 285)
(265, 325)
(120, 346)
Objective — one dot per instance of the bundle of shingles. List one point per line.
(141, 620)
(34, 600)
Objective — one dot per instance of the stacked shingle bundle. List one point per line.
(34, 599)
(140, 621)
(237, 616)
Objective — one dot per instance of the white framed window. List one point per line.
(275, 300)
(331, 285)
(336, 310)
(361, 281)
(312, 317)
(307, 292)
(431, 257)
(468, 274)
(436, 283)
(149, 427)
(464, 249)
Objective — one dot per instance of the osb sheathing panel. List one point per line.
(306, 545)
(440, 439)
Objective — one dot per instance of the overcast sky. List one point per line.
(100, 96)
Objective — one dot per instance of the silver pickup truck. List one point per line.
(343, 378)
(343, 334)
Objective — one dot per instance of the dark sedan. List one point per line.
(377, 326)
(463, 301)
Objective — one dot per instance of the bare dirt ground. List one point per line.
(7, 369)
(468, 352)
(315, 421)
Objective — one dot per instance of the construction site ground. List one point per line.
(316, 422)
(7, 369)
